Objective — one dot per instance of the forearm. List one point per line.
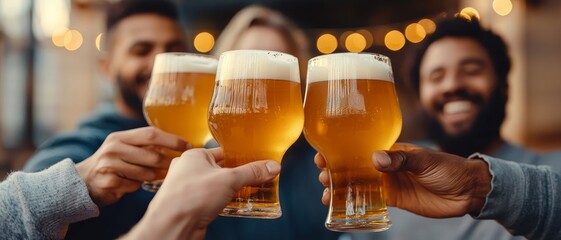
(526, 199)
(41, 205)
(165, 223)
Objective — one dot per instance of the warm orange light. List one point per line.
(502, 7)
(73, 40)
(204, 42)
(326, 43)
(355, 42)
(394, 40)
(368, 36)
(98, 42)
(415, 32)
(428, 25)
(463, 15)
(472, 12)
(58, 37)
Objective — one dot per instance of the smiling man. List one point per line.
(460, 73)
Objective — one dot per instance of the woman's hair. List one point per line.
(256, 15)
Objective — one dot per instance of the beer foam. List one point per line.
(184, 62)
(341, 66)
(257, 64)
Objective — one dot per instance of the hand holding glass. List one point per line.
(351, 110)
(178, 97)
(255, 114)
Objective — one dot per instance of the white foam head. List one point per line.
(340, 66)
(184, 62)
(257, 64)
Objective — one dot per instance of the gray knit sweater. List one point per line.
(42, 205)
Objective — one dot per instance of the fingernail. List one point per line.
(273, 167)
(382, 158)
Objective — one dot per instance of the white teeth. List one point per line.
(457, 107)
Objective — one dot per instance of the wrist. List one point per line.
(165, 223)
(481, 185)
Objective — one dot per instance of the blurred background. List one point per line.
(49, 52)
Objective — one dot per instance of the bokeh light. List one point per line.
(343, 37)
(368, 36)
(428, 25)
(73, 40)
(394, 40)
(502, 7)
(326, 43)
(58, 37)
(204, 42)
(98, 41)
(463, 15)
(355, 42)
(415, 32)
(471, 12)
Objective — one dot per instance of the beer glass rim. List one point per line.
(188, 53)
(382, 56)
(366, 68)
(260, 51)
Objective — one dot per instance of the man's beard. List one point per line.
(485, 129)
(128, 91)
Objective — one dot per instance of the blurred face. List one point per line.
(133, 45)
(263, 38)
(457, 81)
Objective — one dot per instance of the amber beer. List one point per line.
(351, 110)
(179, 94)
(256, 114)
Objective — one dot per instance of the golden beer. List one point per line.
(177, 99)
(255, 119)
(348, 116)
(182, 107)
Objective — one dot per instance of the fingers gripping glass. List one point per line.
(177, 99)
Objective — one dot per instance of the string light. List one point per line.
(355, 42)
(326, 43)
(58, 36)
(502, 7)
(204, 42)
(471, 12)
(394, 40)
(368, 36)
(428, 25)
(415, 33)
(73, 40)
(98, 41)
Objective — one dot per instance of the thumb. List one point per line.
(399, 161)
(255, 173)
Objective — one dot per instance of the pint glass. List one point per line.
(351, 110)
(256, 114)
(178, 97)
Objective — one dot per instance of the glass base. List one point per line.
(378, 223)
(262, 212)
(152, 186)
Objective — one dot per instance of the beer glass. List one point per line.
(351, 110)
(177, 99)
(256, 114)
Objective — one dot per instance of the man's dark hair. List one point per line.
(461, 27)
(126, 8)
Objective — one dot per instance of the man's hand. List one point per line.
(426, 182)
(125, 160)
(195, 191)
